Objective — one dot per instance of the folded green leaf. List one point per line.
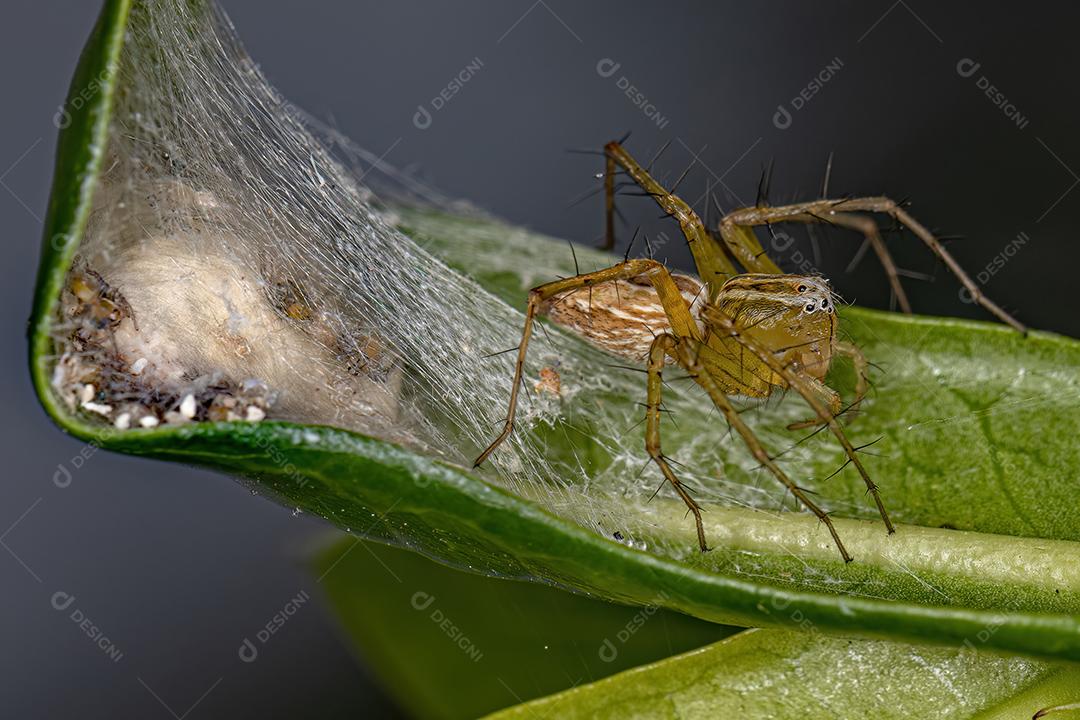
(976, 458)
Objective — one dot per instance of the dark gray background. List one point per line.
(177, 566)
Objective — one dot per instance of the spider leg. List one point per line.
(712, 263)
(674, 304)
(828, 396)
(829, 210)
(870, 230)
(519, 365)
(723, 325)
(687, 352)
(744, 243)
(658, 352)
(862, 384)
(862, 371)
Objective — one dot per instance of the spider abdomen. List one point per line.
(622, 317)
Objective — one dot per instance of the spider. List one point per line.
(103, 305)
(755, 333)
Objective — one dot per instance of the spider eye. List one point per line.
(810, 307)
(802, 288)
(824, 303)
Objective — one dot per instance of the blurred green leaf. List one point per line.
(787, 675)
(450, 644)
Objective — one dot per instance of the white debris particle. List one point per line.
(97, 407)
(254, 413)
(149, 421)
(187, 406)
(88, 392)
(138, 366)
(123, 421)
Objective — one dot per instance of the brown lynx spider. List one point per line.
(756, 333)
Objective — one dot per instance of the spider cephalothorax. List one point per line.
(790, 314)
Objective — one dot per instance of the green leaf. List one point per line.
(978, 451)
(784, 675)
(450, 644)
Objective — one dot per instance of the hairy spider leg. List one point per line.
(736, 230)
(835, 403)
(688, 353)
(713, 265)
(722, 326)
(658, 351)
(675, 307)
(742, 244)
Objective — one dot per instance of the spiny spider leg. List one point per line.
(687, 352)
(712, 263)
(739, 222)
(675, 306)
(872, 233)
(862, 385)
(661, 346)
(744, 245)
(862, 372)
(740, 241)
(723, 325)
